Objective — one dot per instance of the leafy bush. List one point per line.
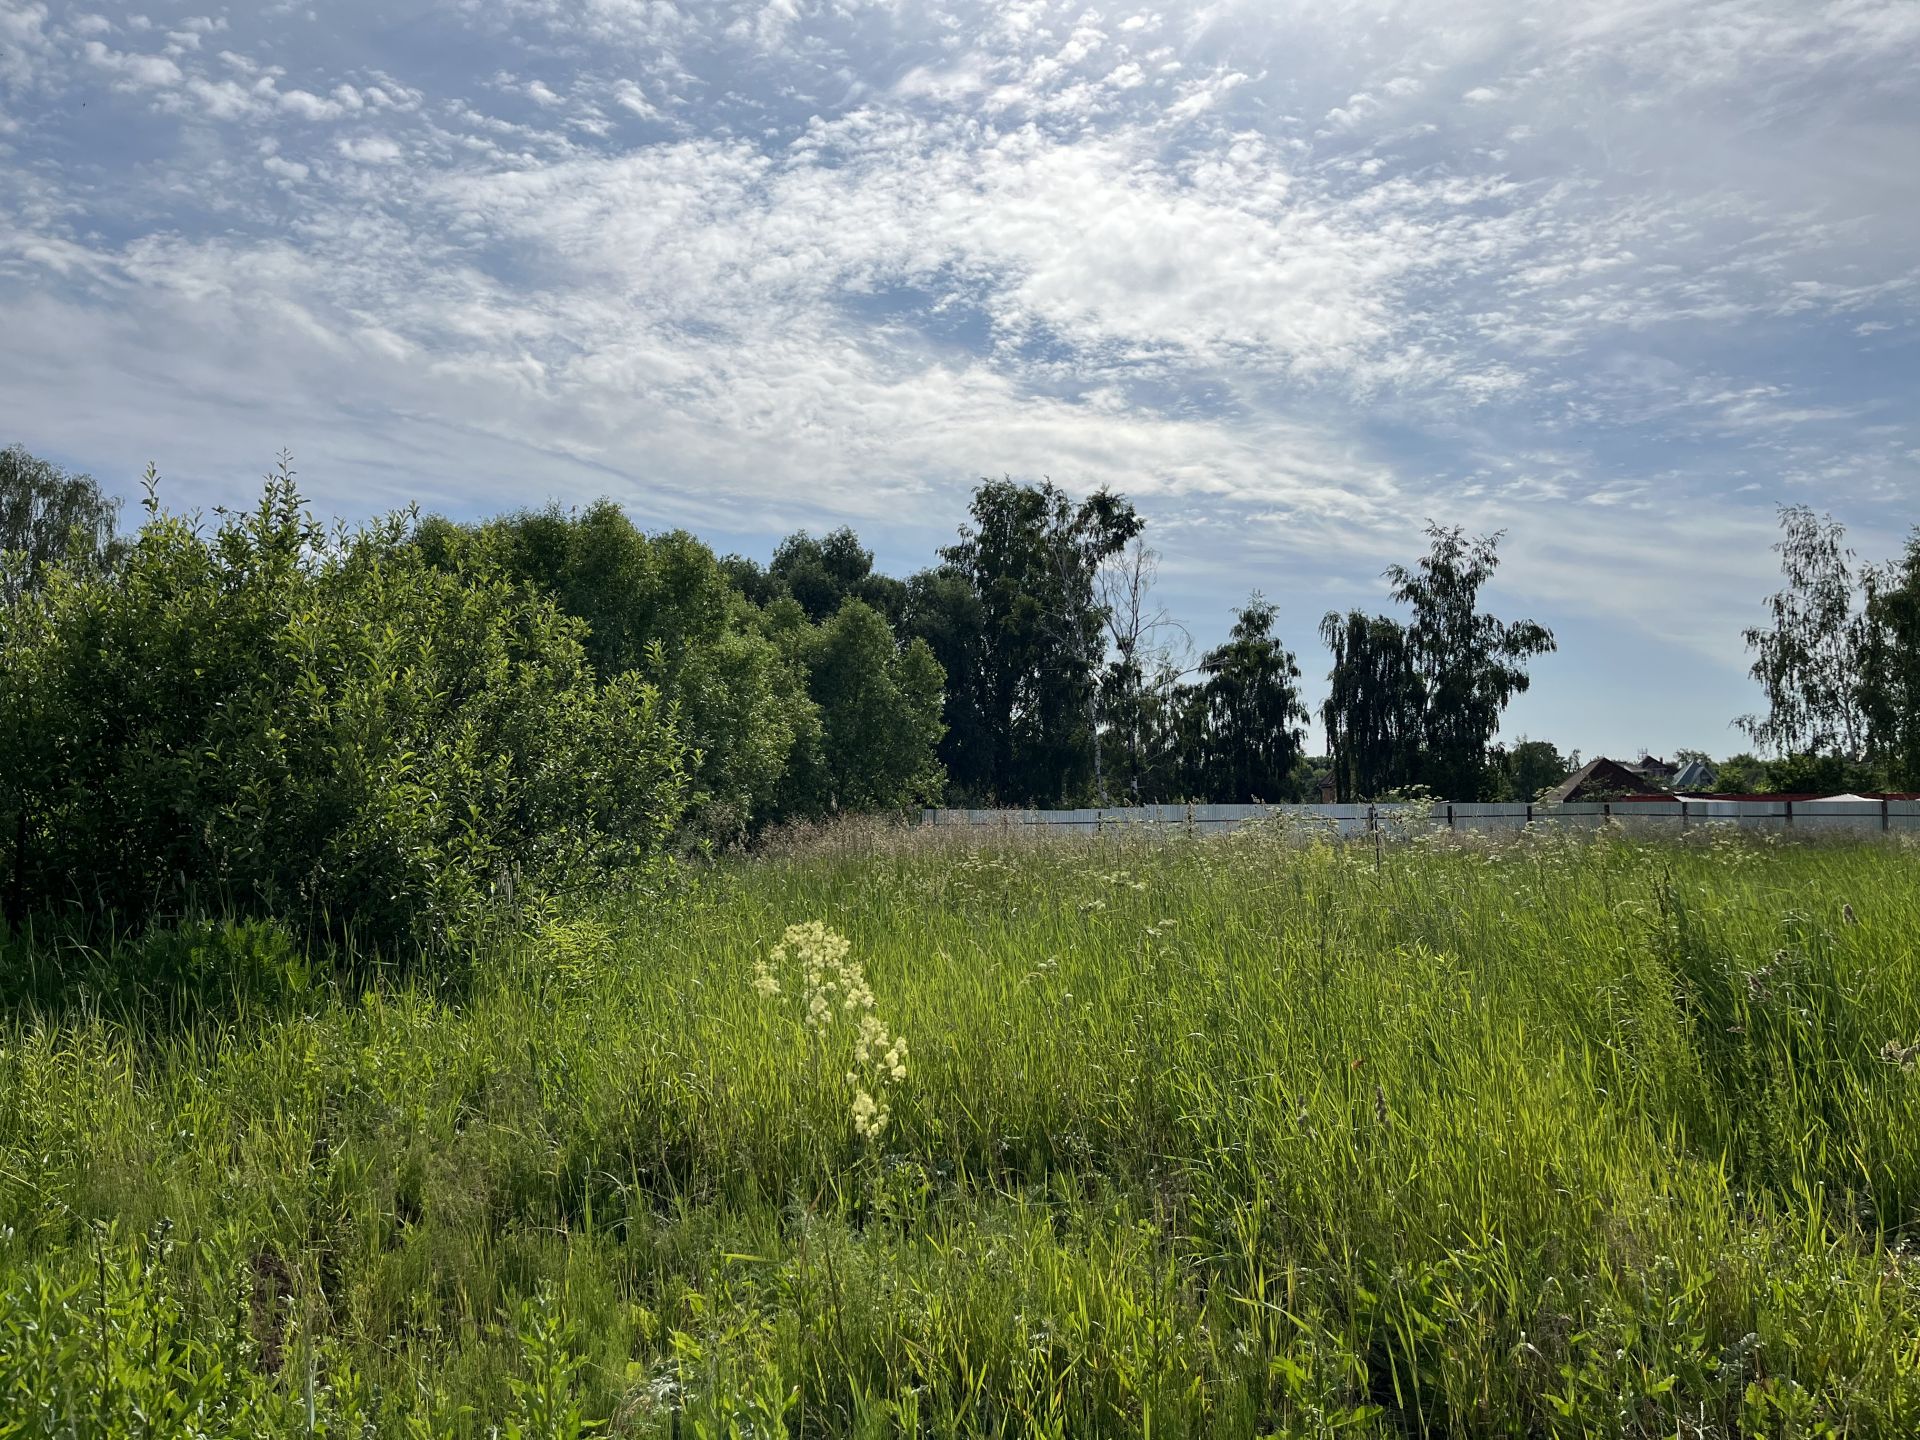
(277, 719)
(878, 703)
(661, 608)
(784, 717)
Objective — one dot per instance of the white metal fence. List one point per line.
(1798, 817)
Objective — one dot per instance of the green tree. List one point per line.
(661, 607)
(1742, 774)
(823, 574)
(1808, 660)
(819, 575)
(1420, 704)
(1254, 719)
(49, 515)
(1017, 594)
(1470, 663)
(1889, 667)
(880, 724)
(1374, 706)
(1823, 773)
(1529, 767)
(943, 612)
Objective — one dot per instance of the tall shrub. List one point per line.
(322, 725)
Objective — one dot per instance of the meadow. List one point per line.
(1244, 1136)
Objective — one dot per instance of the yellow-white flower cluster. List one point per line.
(832, 988)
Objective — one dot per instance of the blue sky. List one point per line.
(1616, 276)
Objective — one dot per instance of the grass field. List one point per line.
(1209, 1138)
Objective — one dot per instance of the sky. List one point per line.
(1616, 277)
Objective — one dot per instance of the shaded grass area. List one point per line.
(1238, 1136)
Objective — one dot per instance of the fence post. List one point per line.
(1449, 815)
(1883, 814)
(1683, 817)
(1529, 815)
(1789, 814)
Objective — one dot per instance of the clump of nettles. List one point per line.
(814, 964)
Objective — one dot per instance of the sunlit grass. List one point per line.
(1221, 1137)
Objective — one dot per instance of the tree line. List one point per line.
(391, 727)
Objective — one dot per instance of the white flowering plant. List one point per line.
(812, 967)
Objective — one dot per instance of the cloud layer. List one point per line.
(1616, 275)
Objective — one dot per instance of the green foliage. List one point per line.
(944, 612)
(1526, 769)
(1017, 626)
(1251, 1136)
(1471, 664)
(1374, 704)
(1807, 661)
(660, 610)
(50, 516)
(1889, 666)
(1420, 705)
(1840, 663)
(1827, 774)
(822, 575)
(793, 709)
(1250, 716)
(274, 719)
(879, 708)
(1742, 774)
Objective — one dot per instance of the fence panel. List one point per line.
(1803, 817)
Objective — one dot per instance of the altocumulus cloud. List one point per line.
(1616, 275)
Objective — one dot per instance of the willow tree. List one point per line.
(1808, 659)
(1374, 704)
(1420, 703)
(1470, 663)
(49, 515)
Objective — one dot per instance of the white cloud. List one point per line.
(23, 43)
(371, 150)
(311, 107)
(133, 70)
(1296, 275)
(229, 100)
(629, 96)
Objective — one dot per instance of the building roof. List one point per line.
(1601, 778)
(1693, 775)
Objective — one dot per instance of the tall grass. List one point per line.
(1238, 1136)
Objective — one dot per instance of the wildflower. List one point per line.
(869, 1116)
(1894, 1053)
(833, 987)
